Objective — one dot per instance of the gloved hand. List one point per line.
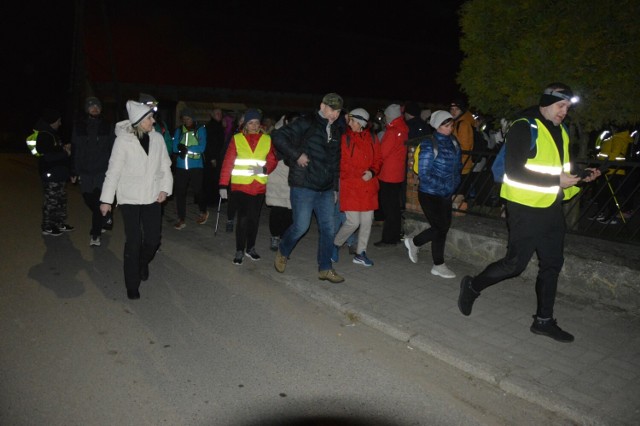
(223, 193)
(182, 149)
(366, 176)
(256, 170)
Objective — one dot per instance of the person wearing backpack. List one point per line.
(54, 166)
(463, 130)
(536, 181)
(438, 163)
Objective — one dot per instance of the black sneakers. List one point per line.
(53, 231)
(253, 254)
(467, 296)
(549, 327)
(237, 259)
(65, 227)
(133, 294)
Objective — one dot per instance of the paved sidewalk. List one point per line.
(593, 380)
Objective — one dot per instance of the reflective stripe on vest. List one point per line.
(245, 158)
(547, 160)
(190, 138)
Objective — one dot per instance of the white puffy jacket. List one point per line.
(134, 176)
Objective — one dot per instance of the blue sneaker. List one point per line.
(362, 259)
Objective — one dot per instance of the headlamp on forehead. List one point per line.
(152, 105)
(559, 94)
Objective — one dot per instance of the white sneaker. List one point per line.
(412, 249)
(442, 271)
(94, 241)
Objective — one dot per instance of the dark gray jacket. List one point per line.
(310, 136)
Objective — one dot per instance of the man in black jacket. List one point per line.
(311, 149)
(92, 141)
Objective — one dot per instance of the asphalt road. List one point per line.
(209, 343)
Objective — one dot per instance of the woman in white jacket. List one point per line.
(139, 174)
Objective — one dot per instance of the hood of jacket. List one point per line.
(123, 128)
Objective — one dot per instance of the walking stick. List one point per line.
(215, 232)
(615, 199)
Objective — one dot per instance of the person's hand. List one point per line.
(182, 148)
(223, 193)
(67, 148)
(256, 170)
(214, 163)
(567, 180)
(105, 208)
(73, 179)
(595, 174)
(162, 196)
(303, 160)
(366, 176)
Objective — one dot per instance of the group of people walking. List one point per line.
(328, 158)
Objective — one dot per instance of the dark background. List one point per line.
(389, 51)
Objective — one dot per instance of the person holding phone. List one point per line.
(536, 182)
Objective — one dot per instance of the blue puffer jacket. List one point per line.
(439, 176)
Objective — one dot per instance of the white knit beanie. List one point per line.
(360, 115)
(137, 111)
(438, 117)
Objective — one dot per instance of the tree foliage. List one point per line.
(514, 48)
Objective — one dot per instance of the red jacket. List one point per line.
(394, 152)
(360, 152)
(255, 187)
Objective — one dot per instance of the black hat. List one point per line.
(91, 101)
(556, 92)
(412, 108)
(460, 103)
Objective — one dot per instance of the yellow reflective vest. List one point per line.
(241, 174)
(615, 148)
(547, 160)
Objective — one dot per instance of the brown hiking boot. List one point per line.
(280, 263)
(330, 275)
(202, 219)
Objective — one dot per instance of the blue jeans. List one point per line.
(305, 202)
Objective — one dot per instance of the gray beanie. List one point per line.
(392, 112)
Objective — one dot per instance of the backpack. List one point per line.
(497, 168)
(434, 146)
(31, 143)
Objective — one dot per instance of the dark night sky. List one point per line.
(353, 48)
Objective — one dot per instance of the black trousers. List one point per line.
(539, 230)
(280, 218)
(92, 200)
(248, 209)
(390, 200)
(438, 212)
(142, 230)
(182, 179)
